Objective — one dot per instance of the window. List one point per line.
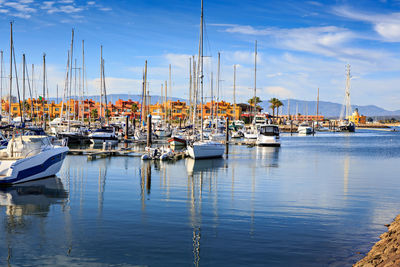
(46, 109)
(57, 109)
(15, 108)
(179, 111)
(207, 112)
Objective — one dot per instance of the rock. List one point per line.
(386, 251)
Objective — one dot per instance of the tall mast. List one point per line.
(317, 104)
(101, 82)
(212, 98)
(190, 88)
(165, 103)
(234, 91)
(145, 89)
(194, 94)
(170, 93)
(201, 69)
(255, 80)
(23, 82)
(44, 90)
(348, 102)
(33, 92)
(70, 76)
(11, 57)
(218, 79)
(83, 79)
(75, 69)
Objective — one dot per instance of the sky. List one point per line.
(302, 45)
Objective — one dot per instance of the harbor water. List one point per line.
(318, 200)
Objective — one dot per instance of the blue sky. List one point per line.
(303, 45)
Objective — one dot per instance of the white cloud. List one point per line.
(386, 25)
(278, 91)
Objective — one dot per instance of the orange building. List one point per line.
(88, 108)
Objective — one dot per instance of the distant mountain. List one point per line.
(328, 109)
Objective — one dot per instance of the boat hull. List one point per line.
(46, 163)
(176, 142)
(206, 150)
(271, 141)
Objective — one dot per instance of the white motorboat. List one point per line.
(268, 135)
(163, 132)
(304, 128)
(251, 133)
(206, 149)
(237, 134)
(104, 134)
(30, 157)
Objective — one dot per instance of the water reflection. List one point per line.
(145, 181)
(33, 198)
(204, 165)
(269, 155)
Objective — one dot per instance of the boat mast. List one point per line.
(317, 104)
(194, 94)
(44, 90)
(75, 69)
(255, 81)
(212, 98)
(83, 79)
(201, 69)
(346, 108)
(218, 79)
(11, 51)
(190, 88)
(234, 91)
(170, 93)
(23, 82)
(101, 83)
(348, 103)
(70, 79)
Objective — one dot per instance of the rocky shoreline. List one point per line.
(386, 252)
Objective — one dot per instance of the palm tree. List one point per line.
(273, 102)
(94, 113)
(278, 104)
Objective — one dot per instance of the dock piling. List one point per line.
(149, 133)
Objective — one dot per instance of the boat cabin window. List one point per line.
(269, 130)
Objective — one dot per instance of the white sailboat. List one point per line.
(204, 149)
(344, 124)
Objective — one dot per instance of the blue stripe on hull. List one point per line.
(36, 169)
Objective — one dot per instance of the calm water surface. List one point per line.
(316, 201)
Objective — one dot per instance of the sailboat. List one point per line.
(204, 149)
(344, 124)
(252, 132)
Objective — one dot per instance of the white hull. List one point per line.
(250, 135)
(268, 141)
(206, 149)
(46, 163)
(304, 130)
